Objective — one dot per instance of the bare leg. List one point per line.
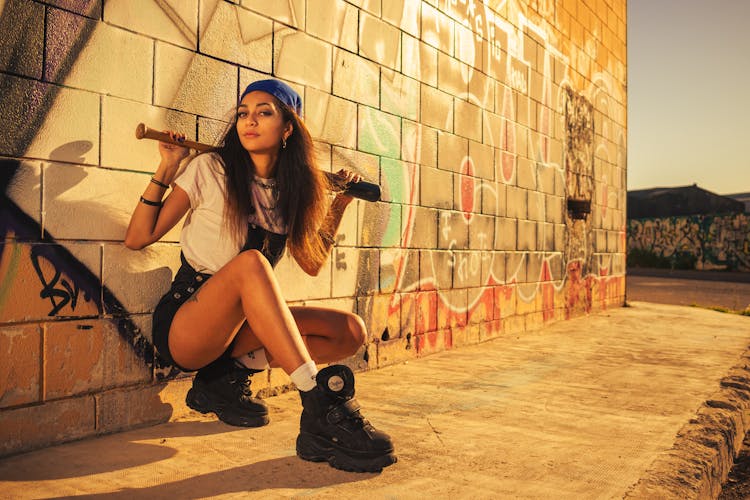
(329, 334)
(244, 288)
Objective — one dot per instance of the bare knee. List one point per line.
(357, 333)
(251, 264)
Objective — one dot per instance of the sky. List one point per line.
(689, 94)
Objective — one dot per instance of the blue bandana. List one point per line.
(279, 90)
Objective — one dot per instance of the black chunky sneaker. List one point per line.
(333, 430)
(224, 389)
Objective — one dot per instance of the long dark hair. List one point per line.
(302, 187)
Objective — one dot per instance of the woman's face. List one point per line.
(260, 123)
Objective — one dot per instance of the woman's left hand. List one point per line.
(347, 177)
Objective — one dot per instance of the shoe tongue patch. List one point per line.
(336, 383)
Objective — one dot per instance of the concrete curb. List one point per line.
(703, 453)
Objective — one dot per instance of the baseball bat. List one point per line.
(363, 190)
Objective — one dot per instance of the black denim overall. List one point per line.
(187, 281)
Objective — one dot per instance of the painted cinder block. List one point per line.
(490, 330)
(91, 203)
(356, 79)
(436, 188)
(433, 341)
(368, 267)
(121, 409)
(437, 29)
(452, 151)
(177, 24)
(301, 58)
(105, 63)
(506, 233)
(345, 271)
(379, 224)
(420, 61)
(546, 240)
(493, 268)
(482, 160)
(422, 227)
(86, 356)
(379, 41)
(515, 267)
(23, 35)
(20, 374)
(335, 21)
(494, 198)
(180, 82)
(436, 269)
(324, 113)
(467, 269)
(418, 144)
(69, 131)
(119, 147)
(400, 94)
(378, 132)
(408, 304)
(452, 308)
(505, 301)
(452, 76)
(32, 427)
(468, 120)
(399, 269)
(395, 351)
(436, 108)
(138, 278)
(403, 14)
(381, 315)
(527, 177)
(527, 235)
(453, 230)
(49, 281)
(298, 285)
(481, 232)
(291, 12)
(481, 305)
(24, 189)
(554, 207)
(536, 209)
(399, 181)
(517, 202)
(235, 34)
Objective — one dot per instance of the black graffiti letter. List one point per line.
(59, 297)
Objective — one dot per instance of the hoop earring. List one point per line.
(283, 143)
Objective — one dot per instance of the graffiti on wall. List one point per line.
(716, 242)
(462, 278)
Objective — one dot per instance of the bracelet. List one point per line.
(327, 238)
(150, 203)
(159, 183)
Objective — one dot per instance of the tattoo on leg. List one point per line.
(194, 297)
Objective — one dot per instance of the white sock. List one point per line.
(304, 376)
(255, 360)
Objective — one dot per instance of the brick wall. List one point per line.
(496, 130)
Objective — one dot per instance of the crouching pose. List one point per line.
(247, 200)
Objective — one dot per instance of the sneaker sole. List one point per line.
(202, 404)
(316, 449)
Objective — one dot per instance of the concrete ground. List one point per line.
(640, 401)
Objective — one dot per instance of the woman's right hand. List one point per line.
(172, 154)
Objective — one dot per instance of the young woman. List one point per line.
(224, 316)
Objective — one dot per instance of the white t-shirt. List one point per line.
(206, 243)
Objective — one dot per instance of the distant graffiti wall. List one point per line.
(714, 241)
(496, 128)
